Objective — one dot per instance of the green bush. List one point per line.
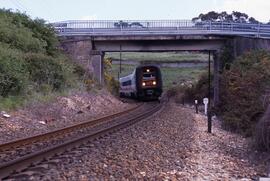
(29, 35)
(13, 73)
(200, 90)
(242, 88)
(30, 62)
(47, 70)
(111, 83)
(19, 36)
(244, 84)
(226, 57)
(262, 133)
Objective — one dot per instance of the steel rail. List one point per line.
(65, 130)
(35, 158)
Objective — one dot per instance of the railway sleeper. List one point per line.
(76, 143)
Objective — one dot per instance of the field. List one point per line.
(170, 76)
(164, 56)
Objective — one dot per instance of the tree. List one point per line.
(121, 24)
(210, 16)
(253, 20)
(235, 16)
(239, 17)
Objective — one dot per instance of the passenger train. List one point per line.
(145, 83)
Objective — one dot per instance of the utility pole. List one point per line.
(120, 66)
(209, 94)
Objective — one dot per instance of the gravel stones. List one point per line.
(171, 145)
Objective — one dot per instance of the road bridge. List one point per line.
(86, 41)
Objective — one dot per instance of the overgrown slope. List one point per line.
(244, 90)
(245, 96)
(30, 62)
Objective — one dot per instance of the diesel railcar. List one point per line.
(145, 83)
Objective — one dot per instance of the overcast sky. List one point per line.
(58, 10)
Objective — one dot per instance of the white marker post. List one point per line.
(205, 102)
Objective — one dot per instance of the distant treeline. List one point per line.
(235, 16)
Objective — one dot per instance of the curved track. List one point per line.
(18, 155)
(21, 147)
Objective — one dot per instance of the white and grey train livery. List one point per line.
(145, 83)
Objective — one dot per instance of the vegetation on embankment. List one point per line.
(111, 81)
(30, 63)
(245, 96)
(244, 91)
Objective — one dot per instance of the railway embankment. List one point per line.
(63, 111)
(171, 145)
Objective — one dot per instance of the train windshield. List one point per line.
(149, 73)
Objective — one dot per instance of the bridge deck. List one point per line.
(161, 27)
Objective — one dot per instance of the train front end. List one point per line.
(149, 82)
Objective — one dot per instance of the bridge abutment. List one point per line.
(81, 52)
(97, 63)
(245, 44)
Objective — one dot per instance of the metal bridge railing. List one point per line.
(108, 27)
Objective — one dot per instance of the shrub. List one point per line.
(30, 62)
(18, 36)
(44, 70)
(48, 70)
(111, 83)
(29, 35)
(13, 73)
(200, 89)
(242, 88)
(262, 133)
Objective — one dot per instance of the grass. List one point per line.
(159, 56)
(125, 70)
(11, 102)
(170, 76)
(33, 97)
(14, 102)
(173, 76)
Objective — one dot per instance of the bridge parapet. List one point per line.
(159, 27)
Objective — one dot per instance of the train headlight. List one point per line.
(147, 70)
(143, 83)
(154, 82)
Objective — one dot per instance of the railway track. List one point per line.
(21, 147)
(16, 156)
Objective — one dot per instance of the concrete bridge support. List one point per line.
(244, 44)
(97, 65)
(81, 51)
(78, 51)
